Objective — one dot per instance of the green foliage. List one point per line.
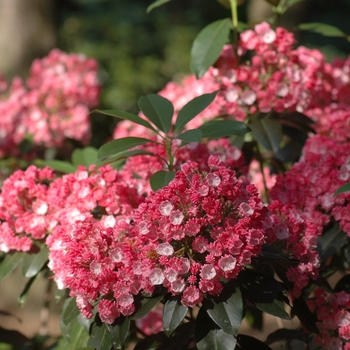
(173, 314)
(160, 179)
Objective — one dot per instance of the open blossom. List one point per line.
(194, 233)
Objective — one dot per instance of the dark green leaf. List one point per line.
(276, 308)
(330, 242)
(146, 304)
(194, 135)
(342, 189)
(160, 179)
(343, 284)
(266, 131)
(84, 156)
(119, 331)
(221, 128)
(151, 342)
(115, 147)
(246, 342)
(322, 28)
(23, 297)
(193, 108)
(58, 165)
(208, 44)
(128, 116)
(156, 4)
(69, 315)
(306, 317)
(59, 294)
(173, 314)
(226, 311)
(181, 337)
(158, 110)
(290, 152)
(78, 336)
(33, 263)
(10, 262)
(285, 335)
(209, 336)
(101, 338)
(12, 337)
(270, 252)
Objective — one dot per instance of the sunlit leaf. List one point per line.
(58, 165)
(84, 156)
(10, 262)
(33, 263)
(101, 338)
(161, 178)
(158, 110)
(193, 108)
(156, 4)
(208, 44)
(127, 116)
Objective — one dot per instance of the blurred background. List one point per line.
(138, 54)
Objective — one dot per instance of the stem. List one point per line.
(234, 12)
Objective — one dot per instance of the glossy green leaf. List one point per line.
(119, 331)
(330, 242)
(194, 135)
(10, 262)
(173, 314)
(161, 178)
(208, 45)
(119, 157)
(58, 165)
(156, 4)
(209, 336)
(145, 304)
(322, 28)
(158, 110)
(127, 116)
(115, 147)
(21, 300)
(84, 156)
(33, 263)
(101, 338)
(78, 336)
(69, 315)
(267, 131)
(342, 189)
(226, 311)
(276, 308)
(193, 108)
(222, 128)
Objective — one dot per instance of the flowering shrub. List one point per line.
(227, 196)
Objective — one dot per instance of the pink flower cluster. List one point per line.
(333, 315)
(34, 203)
(53, 105)
(311, 183)
(296, 237)
(189, 237)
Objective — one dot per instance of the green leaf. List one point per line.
(330, 242)
(343, 284)
(69, 315)
(284, 335)
(173, 314)
(21, 300)
(59, 294)
(152, 342)
(322, 28)
(222, 128)
(276, 308)
(267, 131)
(58, 165)
(10, 262)
(248, 342)
(208, 44)
(193, 108)
(158, 110)
(194, 135)
(342, 189)
(101, 338)
(115, 147)
(119, 331)
(161, 178)
(128, 116)
(33, 263)
(84, 156)
(78, 336)
(146, 304)
(226, 311)
(156, 4)
(209, 336)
